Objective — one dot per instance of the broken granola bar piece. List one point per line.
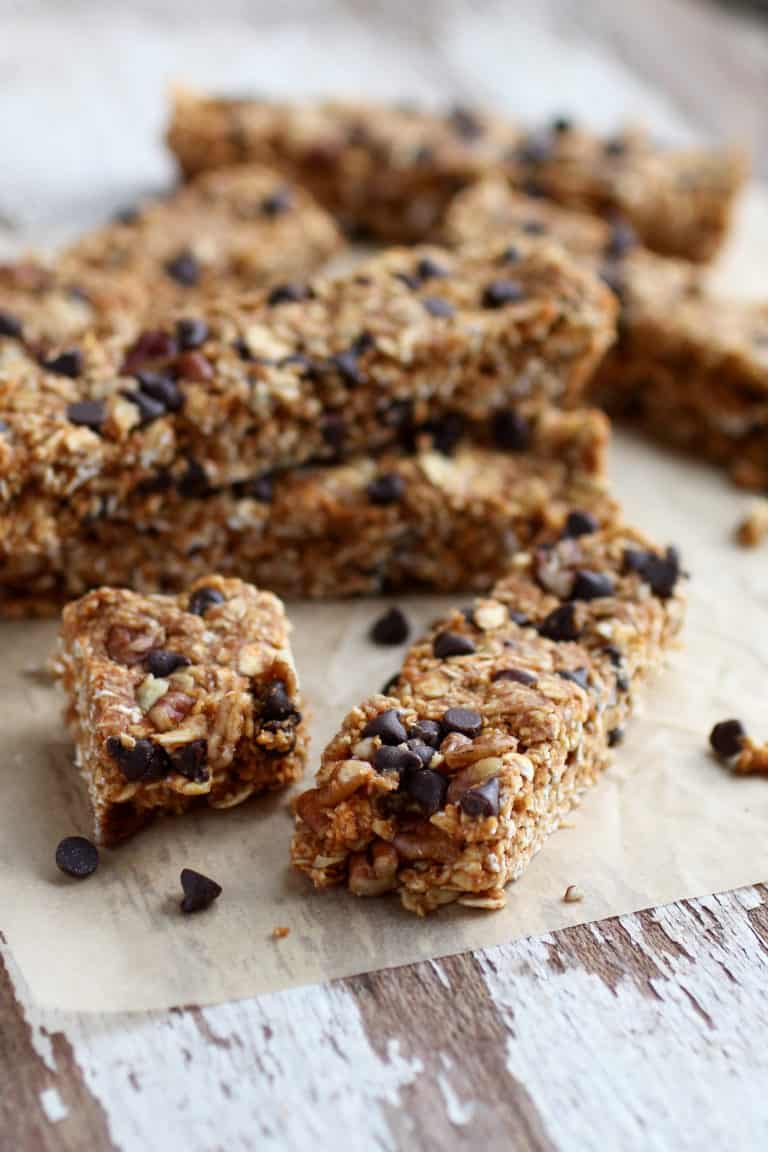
(176, 701)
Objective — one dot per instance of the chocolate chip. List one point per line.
(145, 760)
(518, 618)
(727, 738)
(191, 334)
(149, 408)
(278, 704)
(388, 685)
(260, 488)
(660, 572)
(518, 675)
(77, 857)
(277, 203)
(184, 269)
(614, 654)
(387, 726)
(151, 345)
(290, 293)
(193, 483)
(390, 628)
(87, 414)
(387, 488)
(409, 279)
(428, 788)
(162, 389)
(425, 731)
(162, 662)
(199, 891)
(535, 149)
(437, 306)
(463, 720)
(482, 801)
(578, 676)
(346, 364)
(511, 431)
(615, 736)
(10, 325)
(424, 752)
(396, 759)
(534, 227)
(510, 255)
(562, 125)
(615, 146)
(560, 624)
(448, 644)
(579, 524)
(589, 585)
(203, 599)
(623, 238)
(189, 761)
(501, 292)
(465, 123)
(428, 269)
(69, 363)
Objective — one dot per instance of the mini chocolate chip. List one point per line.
(511, 431)
(615, 736)
(149, 408)
(77, 857)
(199, 891)
(69, 363)
(348, 368)
(396, 759)
(578, 676)
(437, 306)
(615, 146)
(465, 123)
(535, 149)
(387, 726)
(622, 682)
(290, 293)
(427, 787)
(428, 269)
(518, 618)
(424, 752)
(387, 488)
(534, 227)
(189, 761)
(388, 685)
(425, 731)
(203, 599)
(162, 662)
(561, 125)
(277, 702)
(727, 738)
(448, 644)
(184, 269)
(518, 675)
(408, 279)
(482, 801)
(193, 483)
(510, 255)
(501, 292)
(260, 488)
(463, 720)
(390, 628)
(589, 585)
(125, 216)
(614, 654)
(579, 523)
(277, 203)
(87, 414)
(161, 388)
(144, 760)
(560, 624)
(660, 572)
(623, 238)
(191, 334)
(10, 325)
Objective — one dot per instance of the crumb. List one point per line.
(567, 824)
(752, 760)
(752, 530)
(280, 932)
(573, 894)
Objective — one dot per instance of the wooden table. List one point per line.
(645, 1032)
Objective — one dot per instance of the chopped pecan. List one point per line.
(372, 877)
(170, 710)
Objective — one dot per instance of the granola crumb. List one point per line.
(279, 932)
(573, 894)
(752, 530)
(752, 760)
(567, 824)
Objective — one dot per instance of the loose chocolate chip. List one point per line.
(277, 203)
(391, 628)
(511, 431)
(518, 675)
(660, 572)
(191, 334)
(77, 857)
(501, 292)
(162, 662)
(615, 736)
(465, 123)
(347, 366)
(69, 363)
(10, 325)
(623, 238)
(277, 703)
(396, 759)
(578, 676)
(193, 483)
(425, 731)
(452, 644)
(143, 760)
(482, 801)
(560, 624)
(287, 294)
(437, 306)
(424, 752)
(387, 726)
(428, 269)
(199, 891)
(579, 524)
(87, 414)
(463, 720)
(427, 788)
(189, 761)
(727, 738)
(203, 599)
(589, 585)
(388, 685)
(387, 488)
(161, 388)
(534, 227)
(561, 125)
(184, 269)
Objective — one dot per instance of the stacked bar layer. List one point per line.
(445, 788)
(179, 701)
(392, 171)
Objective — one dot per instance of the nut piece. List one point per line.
(473, 775)
(489, 614)
(151, 689)
(170, 709)
(425, 842)
(752, 530)
(374, 876)
(129, 646)
(347, 777)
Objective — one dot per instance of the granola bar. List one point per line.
(177, 701)
(391, 171)
(502, 715)
(425, 521)
(345, 365)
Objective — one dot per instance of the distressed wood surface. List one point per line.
(645, 1032)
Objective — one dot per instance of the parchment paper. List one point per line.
(666, 822)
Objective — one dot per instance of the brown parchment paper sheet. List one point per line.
(666, 822)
